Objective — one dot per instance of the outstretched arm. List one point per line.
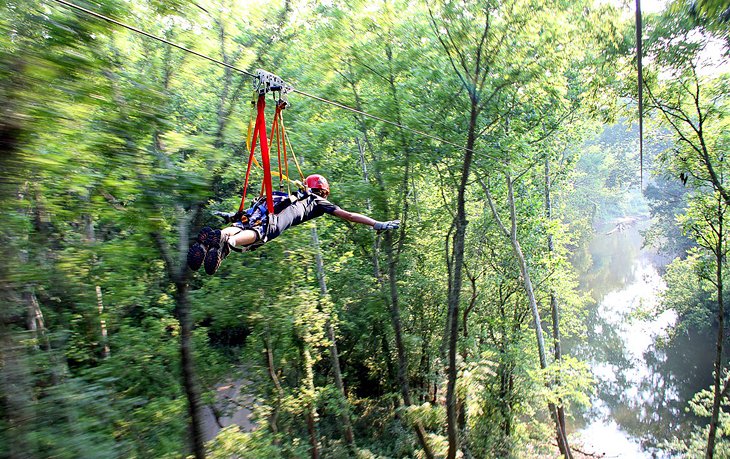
(365, 220)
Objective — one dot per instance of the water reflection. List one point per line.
(613, 259)
(645, 377)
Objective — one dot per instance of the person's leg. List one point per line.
(212, 246)
(220, 247)
(199, 249)
(238, 237)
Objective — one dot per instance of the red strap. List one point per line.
(260, 131)
(265, 162)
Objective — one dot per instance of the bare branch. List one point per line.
(497, 90)
(701, 149)
(511, 201)
(460, 55)
(164, 249)
(446, 48)
(112, 200)
(479, 49)
(493, 208)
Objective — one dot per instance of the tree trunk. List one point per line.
(36, 322)
(222, 117)
(334, 356)
(314, 450)
(309, 390)
(178, 272)
(393, 289)
(717, 398)
(37, 326)
(190, 383)
(394, 255)
(176, 269)
(461, 401)
(400, 346)
(345, 415)
(274, 379)
(91, 239)
(506, 380)
(102, 324)
(455, 282)
(19, 416)
(530, 292)
(554, 306)
(365, 177)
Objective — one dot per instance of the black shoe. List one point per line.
(199, 248)
(217, 252)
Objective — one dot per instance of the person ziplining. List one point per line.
(274, 211)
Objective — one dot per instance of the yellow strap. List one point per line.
(276, 174)
(249, 134)
(251, 123)
(283, 176)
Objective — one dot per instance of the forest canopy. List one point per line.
(502, 135)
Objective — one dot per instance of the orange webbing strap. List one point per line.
(275, 132)
(283, 143)
(286, 141)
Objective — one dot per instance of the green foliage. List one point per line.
(688, 292)
(230, 442)
(118, 146)
(695, 446)
(576, 383)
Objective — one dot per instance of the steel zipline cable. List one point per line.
(245, 72)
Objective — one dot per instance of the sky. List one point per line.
(647, 6)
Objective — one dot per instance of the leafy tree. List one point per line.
(116, 146)
(692, 106)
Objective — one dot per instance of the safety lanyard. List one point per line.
(257, 129)
(260, 131)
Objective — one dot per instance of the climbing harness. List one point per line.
(264, 82)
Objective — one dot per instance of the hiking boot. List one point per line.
(199, 249)
(217, 253)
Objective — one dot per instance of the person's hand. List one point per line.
(228, 217)
(385, 226)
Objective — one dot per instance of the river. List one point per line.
(642, 388)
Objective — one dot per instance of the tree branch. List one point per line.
(493, 208)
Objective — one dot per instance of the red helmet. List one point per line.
(317, 182)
